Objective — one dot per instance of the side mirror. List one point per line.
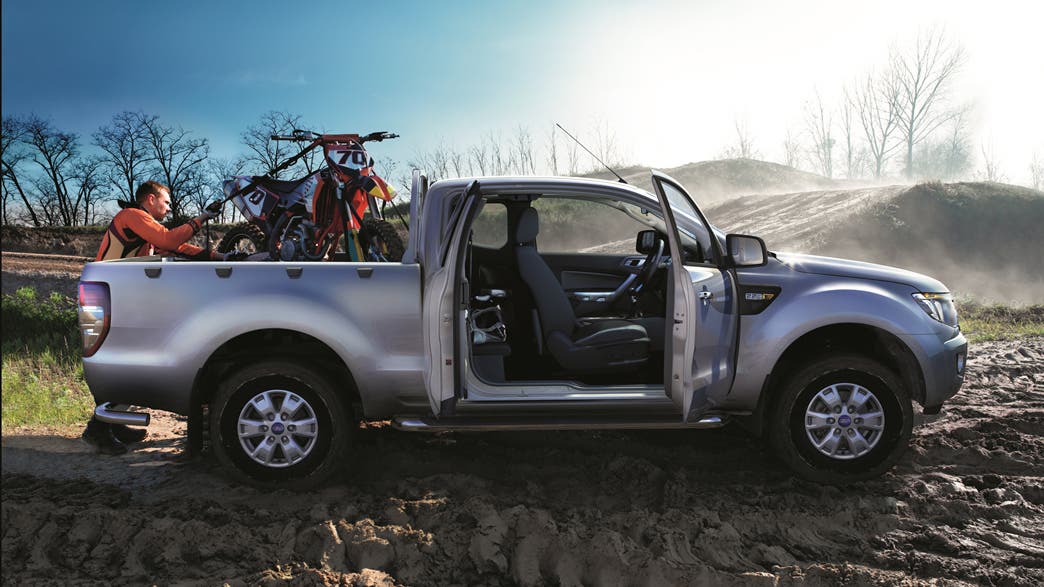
(646, 242)
(746, 251)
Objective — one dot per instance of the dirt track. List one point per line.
(45, 272)
(966, 504)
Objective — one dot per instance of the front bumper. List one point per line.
(944, 369)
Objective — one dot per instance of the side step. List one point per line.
(492, 424)
(117, 414)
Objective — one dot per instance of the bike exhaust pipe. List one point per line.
(116, 414)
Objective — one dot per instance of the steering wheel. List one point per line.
(649, 267)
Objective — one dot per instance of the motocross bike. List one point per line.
(304, 219)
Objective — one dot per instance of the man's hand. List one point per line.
(211, 212)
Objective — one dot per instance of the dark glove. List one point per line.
(212, 211)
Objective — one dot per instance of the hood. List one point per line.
(860, 270)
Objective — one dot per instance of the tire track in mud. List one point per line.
(965, 505)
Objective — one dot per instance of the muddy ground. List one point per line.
(965, 505)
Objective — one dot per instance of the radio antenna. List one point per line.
(622, 180)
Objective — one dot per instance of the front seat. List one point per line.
(597, 346)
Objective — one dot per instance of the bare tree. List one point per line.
(819, 125)
(478, 154)
(497, 159)
(265, 154)
(573, 157)
(178, 160)
(1037, 171)
(877, 104)
(458, 160)
(847, 113)
(522, 152)
(606, 146)
(791, 149)
(197, 191)
(127, 155)
(12, 154)
(435, 162)
(45, 200)
(743, 148)
(923, 73)
(957, 152)
(552, 150)
(55, 153)
(89, 176)
(990, 164)
(216, 171)
(5, 198)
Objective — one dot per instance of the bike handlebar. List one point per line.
(378, 136)
(301, 136)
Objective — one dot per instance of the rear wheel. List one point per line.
(380, 241)
(244, 237)
(279, 424)
(841, 419)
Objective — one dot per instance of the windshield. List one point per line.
(695, 240)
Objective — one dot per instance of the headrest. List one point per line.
(528, 226)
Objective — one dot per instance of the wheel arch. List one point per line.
(863, 339)
(259, 345)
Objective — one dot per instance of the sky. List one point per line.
(668, 79)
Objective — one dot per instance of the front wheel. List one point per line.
(841, 419)
(244, 237)
(380, 241)
(279, 424)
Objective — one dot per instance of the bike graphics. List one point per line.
(304, 219)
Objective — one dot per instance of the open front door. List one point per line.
(702, 305)
(445, 292)
(418, 190)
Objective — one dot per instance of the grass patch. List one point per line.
(42, 381)
(981, 322)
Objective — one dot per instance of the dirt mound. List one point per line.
(966, 504)
(711, 181)
(78, 241)
(980, 239)
(82, 241)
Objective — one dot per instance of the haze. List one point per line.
(668, 79)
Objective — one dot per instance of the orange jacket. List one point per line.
(133, 232)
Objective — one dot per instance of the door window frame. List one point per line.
(716, 252)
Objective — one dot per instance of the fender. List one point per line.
(805, 306)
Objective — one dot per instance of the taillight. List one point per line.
(94, 314)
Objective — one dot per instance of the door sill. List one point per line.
(489, 424)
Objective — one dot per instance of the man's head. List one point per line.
(154, 198)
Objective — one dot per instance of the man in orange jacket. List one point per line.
(137, 232)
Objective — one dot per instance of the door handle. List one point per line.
(705, 295)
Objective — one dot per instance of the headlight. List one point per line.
(939, 306)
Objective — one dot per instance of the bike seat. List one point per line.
(279, 186)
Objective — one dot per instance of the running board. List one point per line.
(491, 424)
(117, 414)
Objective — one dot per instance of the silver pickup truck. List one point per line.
(527, 304)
